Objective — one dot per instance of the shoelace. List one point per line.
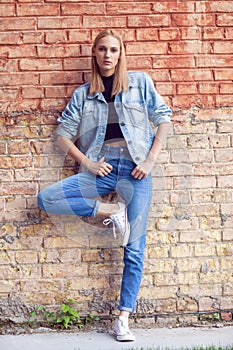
(109, 221)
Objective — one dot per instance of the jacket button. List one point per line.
(122, 124)
(137, 158)
(118, 105)
(129, 142)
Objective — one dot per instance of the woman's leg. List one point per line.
(139, 199)
(73, 195)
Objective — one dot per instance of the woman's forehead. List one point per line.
(108, 41)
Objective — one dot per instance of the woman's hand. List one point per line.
(141, 171)
(100, 168)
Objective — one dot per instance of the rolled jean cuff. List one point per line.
(95, 209)
(123, 308)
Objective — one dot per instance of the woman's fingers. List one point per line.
(103, 167)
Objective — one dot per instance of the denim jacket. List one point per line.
(85, 117)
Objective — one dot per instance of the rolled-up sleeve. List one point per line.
(158, 111)
(70, 119)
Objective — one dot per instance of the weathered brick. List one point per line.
(40, 64)
(193, 20)
(82, 9)
(149, 21)
(173, 62)
(150, 48)
(21, 24)
(64, 270)
(173, 7)
(104, 21)
(37, 9)
(64, 22)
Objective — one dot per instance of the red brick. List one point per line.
(104, 22)
(173, 7)
(115, 7)
(59, 22)
(149, 21)
(208, 88)
(166, 89)
(229, 33)
(226, 88)
(58, 104)
(146, 48)
(213, 33)
(9, 94)
(186, 89)
(58, 51)
(215, 6)
(139, 63)
(60, 78)
(81, 35)
(17, 78)
(191, 33)
(184, 20)
(224, 100)
(56, 91)
(40, 64)
(147, 34)
(82, 9)
(32, 92)
(189, 47)
(21, 51)
(223, 47)
(191, 75)
(56, 37)
(32, 37)
(214, 61)
(7, 10)
(169, 34)
(19, 24)
(74, 64)
(9, 38)
(225, 20)
(86, 50)
(182, 101)
(37, 9)
(7, 65)
(174, 62)
(160, 75)
(223, 74)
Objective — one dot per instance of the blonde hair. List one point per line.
(120, 81)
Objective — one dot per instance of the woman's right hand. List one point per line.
(100, 168)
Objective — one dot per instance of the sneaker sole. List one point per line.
(125, 338)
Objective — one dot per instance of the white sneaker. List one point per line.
(120, 221)
(122, 331)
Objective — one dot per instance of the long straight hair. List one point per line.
(120, 81)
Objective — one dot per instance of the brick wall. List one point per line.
(187, 48)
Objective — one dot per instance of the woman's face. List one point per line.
(107, 52)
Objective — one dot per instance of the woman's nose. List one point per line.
(107, 53)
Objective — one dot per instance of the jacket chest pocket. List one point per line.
(136, 113)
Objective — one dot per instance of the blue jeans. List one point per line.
(74, 196)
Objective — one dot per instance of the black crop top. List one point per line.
(113, 131)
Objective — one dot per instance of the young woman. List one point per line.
(106, 128)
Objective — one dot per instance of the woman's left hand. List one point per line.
(142, 170)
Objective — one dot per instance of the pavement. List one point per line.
(155, 338)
